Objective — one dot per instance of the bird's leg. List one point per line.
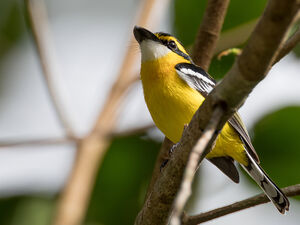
(172, 149)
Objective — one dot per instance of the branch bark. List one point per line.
(288, 46)
(250, 68)
(161, 158)
(75, 197)
(209, 32)
(40, 29)
(244, 204)
(191, 167)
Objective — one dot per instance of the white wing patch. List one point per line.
(195, 79)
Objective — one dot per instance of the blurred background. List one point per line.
(90, 39)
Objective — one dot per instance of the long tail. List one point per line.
(267, 185)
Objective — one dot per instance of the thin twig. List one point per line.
(133, 131)
(75, 197)
(37, 142)
(194, 159)
(209, 31)
(40, 29)
(241, 33)
(288, 46)
(244, 204)
(250, 68)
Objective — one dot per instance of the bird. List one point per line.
(174, 88)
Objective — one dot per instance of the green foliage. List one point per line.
(296, 50)
(188, 16)
(219, 68)
(11, 24)
(122, 181)
(276, 140)
(26, 210)
(296, 27)
(118, 193)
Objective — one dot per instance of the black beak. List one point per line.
(141, 34)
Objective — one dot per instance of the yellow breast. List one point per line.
(172, 104)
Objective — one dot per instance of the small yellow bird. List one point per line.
(174, 88)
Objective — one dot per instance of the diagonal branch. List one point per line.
(250, 68)
(288, 45)
(75, 197)
(244, 204)
(191, 167)
(209, 32)
(41, 33)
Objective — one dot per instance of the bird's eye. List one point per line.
(172, 45)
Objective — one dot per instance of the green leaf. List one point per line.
(122, 181)
(188, 16)
(26, 210)
(218, 68)
(276, 140)
(11, 24)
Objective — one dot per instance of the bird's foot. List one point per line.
(172, 149)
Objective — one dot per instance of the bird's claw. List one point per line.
(164, 163)
(173, 148)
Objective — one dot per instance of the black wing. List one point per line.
(198, 79)
(226, 165)
(195, 77)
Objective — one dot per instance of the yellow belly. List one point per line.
(171, 107)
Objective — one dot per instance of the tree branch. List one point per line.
(288, 46)
(209, 32)
(133, 131)
(161, 158)
(40, 30)
(38, 142)
(250, 68)
(244, 204)
(75, 197)
(197, 152)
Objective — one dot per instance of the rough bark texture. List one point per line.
(288, 46)
(247, 203)
(209, 31)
